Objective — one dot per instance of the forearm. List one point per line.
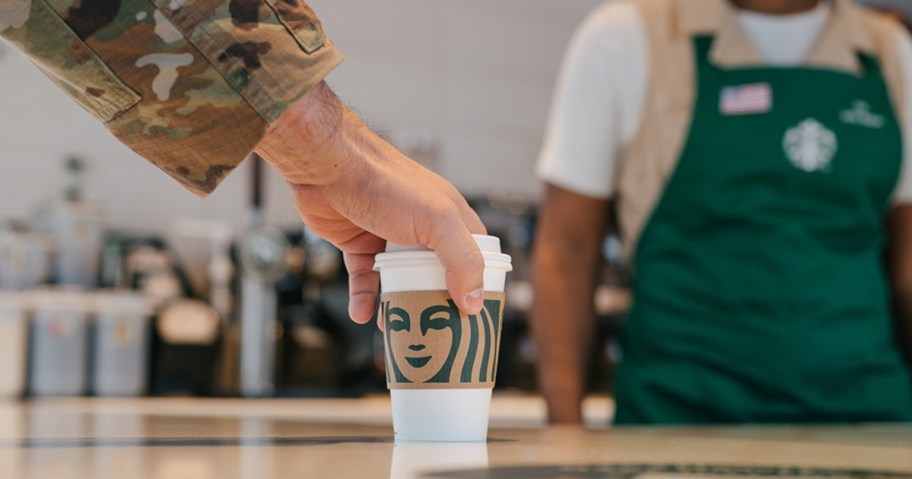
(328, 155)
(319, 142)
(899, 255)
(903, 310)
(325, 151)
(563, 326)
(313, 142)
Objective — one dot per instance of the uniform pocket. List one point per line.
(301, 22)
(72, 65)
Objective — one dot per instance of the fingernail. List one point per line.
(473, 300)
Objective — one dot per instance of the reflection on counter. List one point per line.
(415, 460)
(46, 439)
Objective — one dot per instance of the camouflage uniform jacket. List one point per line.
(191, 85)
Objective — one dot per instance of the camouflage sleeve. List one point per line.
(191, 85)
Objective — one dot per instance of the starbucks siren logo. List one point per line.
(861, 115)
(810, 146)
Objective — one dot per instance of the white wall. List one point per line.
(472, 76)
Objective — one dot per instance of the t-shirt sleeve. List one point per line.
(903, 191)
(598, 101)
(190, 85)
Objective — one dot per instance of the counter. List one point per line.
(187, 438)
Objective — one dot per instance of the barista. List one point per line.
(755, 149)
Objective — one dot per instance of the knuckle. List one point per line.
(442, 210)
(471, 262)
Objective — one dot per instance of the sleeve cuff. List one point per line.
(253, 69)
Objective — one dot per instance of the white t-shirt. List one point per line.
(601, 91)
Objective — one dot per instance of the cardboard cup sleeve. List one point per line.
(430, 344)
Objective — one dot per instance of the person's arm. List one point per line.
(565, 263)
(192, 86)
(900, 262)
(195, 86)
(596, 111)
(899, 224)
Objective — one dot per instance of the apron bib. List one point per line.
(760, 292)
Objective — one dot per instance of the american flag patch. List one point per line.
(746, 99)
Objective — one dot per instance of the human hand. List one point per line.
(357, 192)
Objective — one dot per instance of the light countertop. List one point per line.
(193, 438)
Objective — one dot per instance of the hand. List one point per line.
(357, 191)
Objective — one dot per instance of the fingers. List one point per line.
(464, 263)
(471, 219)
(362, 286)
(468, 216)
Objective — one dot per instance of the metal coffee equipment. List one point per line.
(263, 251)
(25, 257)
(78, 226)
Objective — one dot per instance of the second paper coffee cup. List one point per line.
(440, 362)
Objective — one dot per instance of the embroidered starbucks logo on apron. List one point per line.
(810, 146)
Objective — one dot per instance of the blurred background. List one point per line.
(148, 282)
(469, 100)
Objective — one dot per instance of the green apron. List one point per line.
(760, 293)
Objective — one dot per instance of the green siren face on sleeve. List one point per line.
(431, 344)
(418, 360)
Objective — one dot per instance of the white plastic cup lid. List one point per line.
(412, 255)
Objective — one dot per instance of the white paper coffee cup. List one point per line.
(440, 362)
